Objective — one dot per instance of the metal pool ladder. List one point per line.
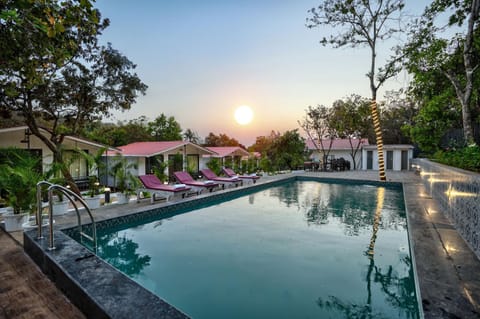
(71, 197)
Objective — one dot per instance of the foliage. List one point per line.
(191, 136)
(317, 126)
(397, 113)
(159, 171)
(432, 122)
(126, 181)
(19, 176)
(215, 165)
(453, 58)
(121, 133)
(165, 129)
(221, 140)
(287, 151)
(96, 166)
(266, 165)
(350, 119)
(262, 143)
(55, 74)
(467, 158)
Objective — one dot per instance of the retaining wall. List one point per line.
(457, 192)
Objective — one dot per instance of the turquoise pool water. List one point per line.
(304, 249)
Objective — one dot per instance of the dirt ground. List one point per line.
(24, 291)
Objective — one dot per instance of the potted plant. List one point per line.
(95, 164)
(19, 175)
(54, 176)
(126, 183)
(92, 198)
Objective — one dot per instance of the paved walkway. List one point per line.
(25, 292)
(447, 274)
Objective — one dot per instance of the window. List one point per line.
(77, 165)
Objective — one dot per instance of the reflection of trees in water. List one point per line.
(287, 194)
(398, 290)
(354, 208)
(121, 252)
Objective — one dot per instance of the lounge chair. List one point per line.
(154, 186)
(224, 181)
(198, 186)
(248, 178)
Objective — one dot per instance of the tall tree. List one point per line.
(364, 23)
(54, 73)
(456, 58)
(165, 128)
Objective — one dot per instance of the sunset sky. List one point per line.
(203, 59)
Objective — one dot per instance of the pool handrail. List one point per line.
(72, 196)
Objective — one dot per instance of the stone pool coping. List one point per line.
(447, 280)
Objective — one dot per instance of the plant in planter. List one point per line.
(19, 175)
(92, 199)
(54, 176)
(95, 164)
(126, 182)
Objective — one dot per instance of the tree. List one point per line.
(165, 128)
(191, 136)
(221, 140)
(351, 120)
(287, 151)
(456, 59)
(397, 114)
(262, 143)
(365, 22)
(316, 125)
(54, 73)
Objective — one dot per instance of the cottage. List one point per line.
(396, 156)
(349, 150)
(181, 156)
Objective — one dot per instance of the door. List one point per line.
(369, 159)
(404, 160)
(389, 159)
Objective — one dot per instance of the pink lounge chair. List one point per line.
(224, 181)
(198, 186)
(154, 186)
(230, 173)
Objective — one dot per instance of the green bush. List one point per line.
(467, 158)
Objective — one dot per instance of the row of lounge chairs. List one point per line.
(187, 185)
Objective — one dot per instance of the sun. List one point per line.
(243, 115)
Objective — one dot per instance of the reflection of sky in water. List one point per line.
(294, 251)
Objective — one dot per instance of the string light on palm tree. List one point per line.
(379, 139)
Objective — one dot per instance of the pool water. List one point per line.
(304, 249)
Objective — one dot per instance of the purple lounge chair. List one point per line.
(230, 173)
(224, 181)
(198, 186)
(154, 186)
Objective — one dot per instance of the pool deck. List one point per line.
(447, 270)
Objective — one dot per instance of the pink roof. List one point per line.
(223, 151)
(338, 144)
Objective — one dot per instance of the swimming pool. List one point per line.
(303, 249)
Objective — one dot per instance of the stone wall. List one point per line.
(457, 192)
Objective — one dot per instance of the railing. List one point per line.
(72, 197)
